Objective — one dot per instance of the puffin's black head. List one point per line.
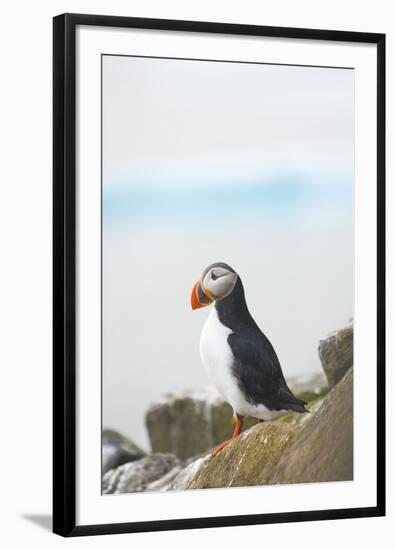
(217, 281)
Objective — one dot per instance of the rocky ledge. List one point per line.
(299, 448)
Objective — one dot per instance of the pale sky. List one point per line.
(203, 162)
(174, 121)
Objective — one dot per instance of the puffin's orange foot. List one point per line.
(222, 446)
(236, 433)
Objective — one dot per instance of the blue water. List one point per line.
(281, 199)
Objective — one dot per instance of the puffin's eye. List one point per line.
(214, 276)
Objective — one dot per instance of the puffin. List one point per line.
(239, 358)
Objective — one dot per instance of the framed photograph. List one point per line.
(219, 274)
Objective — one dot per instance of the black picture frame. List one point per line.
(64, 272)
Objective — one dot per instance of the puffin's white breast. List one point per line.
(218, 359)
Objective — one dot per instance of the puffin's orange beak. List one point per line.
(199, 298)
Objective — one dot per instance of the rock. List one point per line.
(139, 475)
(323, 450)
(248, 461)
(336, 353)
(300, 448)
(179, 424)
(117, 450)
(166, 482)
(186, 475)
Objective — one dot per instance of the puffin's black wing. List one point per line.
(259, 374)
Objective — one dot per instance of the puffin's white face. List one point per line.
(217, 282)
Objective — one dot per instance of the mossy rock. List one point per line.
(179, 426)
(299, 448)
(249, 460)
(323, 450)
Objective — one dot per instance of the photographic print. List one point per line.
(219, 274)
(227, 274)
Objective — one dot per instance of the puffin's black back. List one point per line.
(256, 368)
